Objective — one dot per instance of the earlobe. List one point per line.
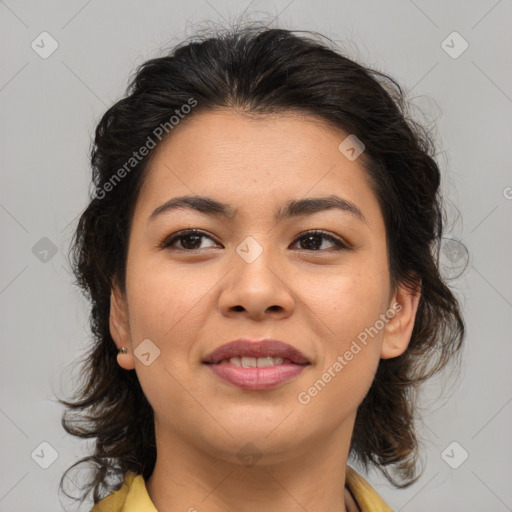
(120, 328)
(398, 330)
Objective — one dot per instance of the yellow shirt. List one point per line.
(133, 496)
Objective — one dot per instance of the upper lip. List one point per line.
(256, 348)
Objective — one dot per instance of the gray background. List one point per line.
(49, 110)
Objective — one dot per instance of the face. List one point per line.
(314, 278)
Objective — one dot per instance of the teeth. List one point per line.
(249, 362)
(263, 362)
(253, 362)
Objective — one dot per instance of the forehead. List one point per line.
(255, 160)
(234, 139)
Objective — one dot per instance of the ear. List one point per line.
(120, 327)
(398, 330)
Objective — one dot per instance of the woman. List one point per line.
(261, 255)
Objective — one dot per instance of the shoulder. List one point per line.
(131, 497)
(365, 496)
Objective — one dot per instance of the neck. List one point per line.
(189, 478)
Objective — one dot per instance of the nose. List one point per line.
(257, 290)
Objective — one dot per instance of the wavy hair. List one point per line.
(257, 70)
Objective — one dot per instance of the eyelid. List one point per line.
(168, 240)
(340, 243)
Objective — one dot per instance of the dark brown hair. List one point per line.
(257, 71)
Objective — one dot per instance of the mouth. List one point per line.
(256, 365)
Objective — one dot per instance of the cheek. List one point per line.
(163, 298)
(351, 347)
(161, 306)
(350, 309)
(350, 301)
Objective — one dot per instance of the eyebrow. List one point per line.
(293, 208)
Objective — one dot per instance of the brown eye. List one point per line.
(312, 241)
(189, 240)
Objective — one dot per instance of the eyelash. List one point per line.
(166, 244)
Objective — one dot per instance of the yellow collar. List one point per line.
(133, 496)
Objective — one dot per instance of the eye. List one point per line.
(190, 240)
(313, 241)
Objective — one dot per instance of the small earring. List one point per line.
(123, 350)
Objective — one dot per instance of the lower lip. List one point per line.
(256, 378)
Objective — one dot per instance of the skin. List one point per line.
(316, 299)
